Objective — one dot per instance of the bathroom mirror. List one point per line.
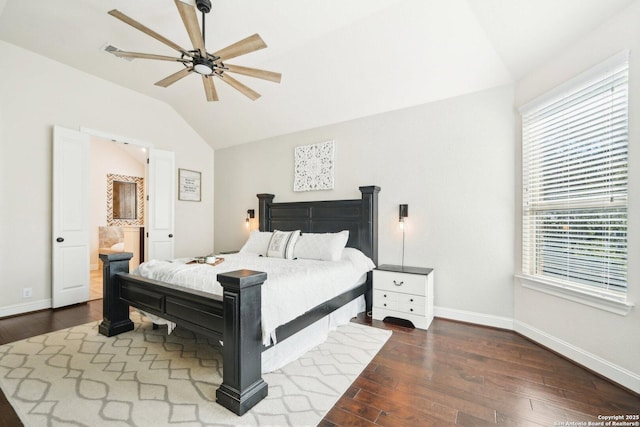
(125, 200)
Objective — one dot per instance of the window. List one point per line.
(574, 183)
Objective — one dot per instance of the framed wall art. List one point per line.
(189, 185)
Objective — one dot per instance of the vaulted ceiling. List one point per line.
(339, 60)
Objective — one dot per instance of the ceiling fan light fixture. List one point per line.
(202, 66)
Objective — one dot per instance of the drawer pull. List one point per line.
(398, 284)
(385, 304)
(385, 295)
(411, 300)
(411, 309)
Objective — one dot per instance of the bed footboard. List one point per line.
(233, 319)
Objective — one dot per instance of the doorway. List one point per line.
(73, 233)
(115, 165)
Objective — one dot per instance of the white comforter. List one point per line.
(292, 287)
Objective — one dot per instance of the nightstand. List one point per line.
(404, 293)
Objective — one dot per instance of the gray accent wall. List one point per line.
(451, 161)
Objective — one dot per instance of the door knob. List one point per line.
(59, 240)
(170, 235)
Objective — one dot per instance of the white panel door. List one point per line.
(70, 264)
(161, 187)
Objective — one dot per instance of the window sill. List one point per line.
(600, 300)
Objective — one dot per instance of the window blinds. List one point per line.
(575, 180)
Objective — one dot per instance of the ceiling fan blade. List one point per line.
(250, 93)
(244, 46)
(254, 72)
(209, 88)
(174, 77)
(123, 54)
(190, 20)
(135, 24)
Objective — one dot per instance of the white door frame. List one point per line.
(115, 138)
(109, 137)
(159, 241)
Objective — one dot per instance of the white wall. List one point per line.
(605, 342)
(450, 161)
(37, 93)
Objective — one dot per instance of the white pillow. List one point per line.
(357, 258)
(322, 246)
(282, 244)
(257, 243)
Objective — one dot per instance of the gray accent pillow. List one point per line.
(282, 243)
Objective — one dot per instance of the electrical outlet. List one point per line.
(26, 293)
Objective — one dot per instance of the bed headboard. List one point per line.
(359, 216)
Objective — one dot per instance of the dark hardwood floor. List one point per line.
(452, 374)
(462, 374)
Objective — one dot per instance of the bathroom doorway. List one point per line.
(117, 173)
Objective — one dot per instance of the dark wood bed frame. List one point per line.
(234, 319)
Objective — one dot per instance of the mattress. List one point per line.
(292, 288)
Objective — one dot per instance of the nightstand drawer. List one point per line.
(405, 303)
(399, 282)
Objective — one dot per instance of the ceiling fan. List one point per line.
(198, 60)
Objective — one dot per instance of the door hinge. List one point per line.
(147, 160)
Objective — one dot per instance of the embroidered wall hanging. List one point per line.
(314, 167)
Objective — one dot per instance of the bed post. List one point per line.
(370, 220)
(264, 200)
(242, 384)
(370, 225)
(115, 312)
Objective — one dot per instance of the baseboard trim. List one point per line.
(473, 317)
(598, 365)
(12, 310)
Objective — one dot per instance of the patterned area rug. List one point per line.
(148, 378)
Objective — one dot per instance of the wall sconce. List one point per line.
(250, 215)
(403, 212)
